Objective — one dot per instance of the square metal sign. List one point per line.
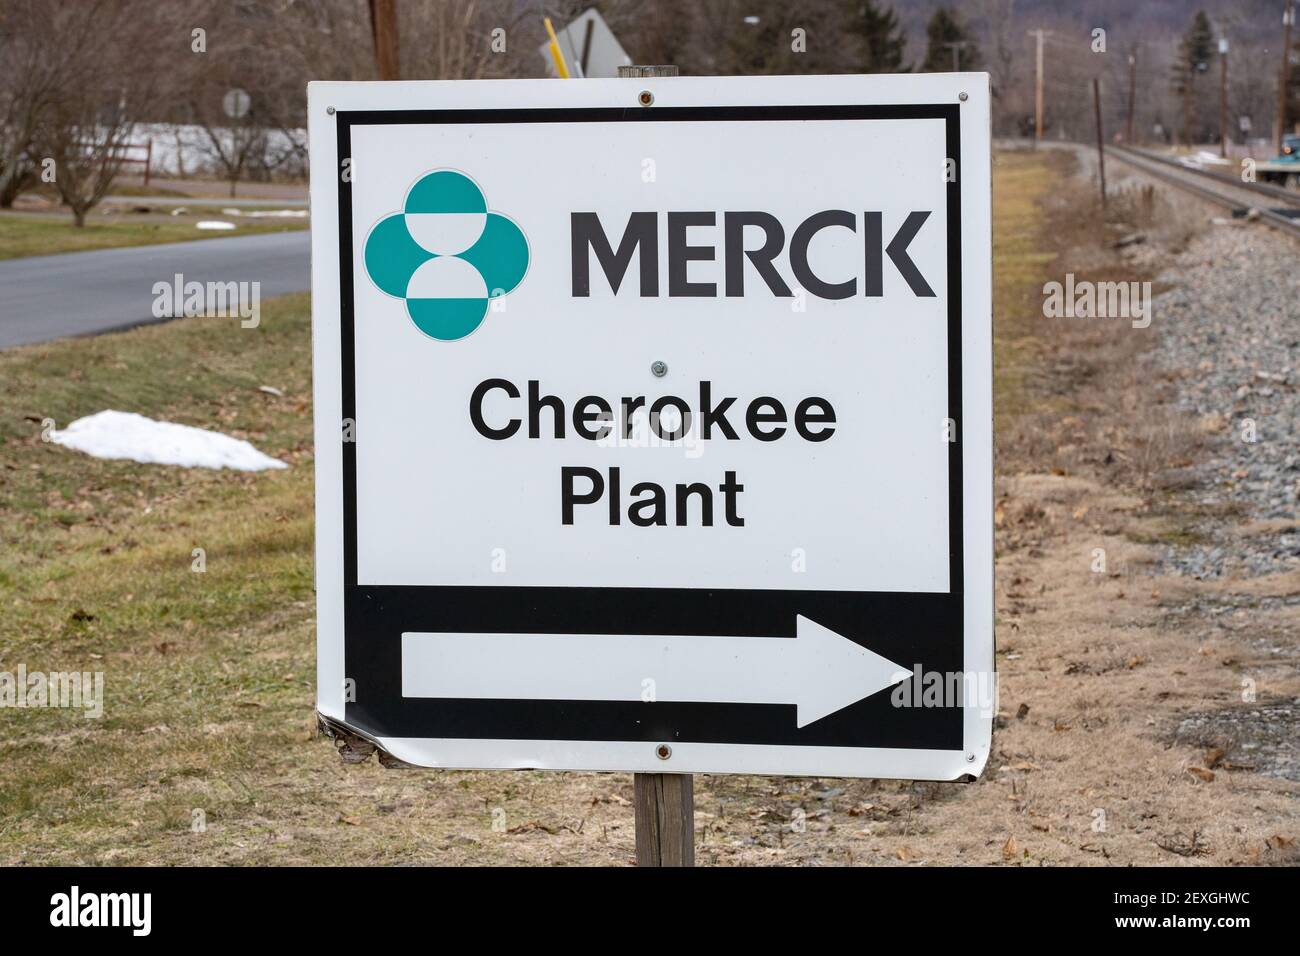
(654, 422)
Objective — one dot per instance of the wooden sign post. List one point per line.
(665, 819)
(665, 802)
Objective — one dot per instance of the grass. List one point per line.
(47, 235)
(1020, 181)
(209, 677)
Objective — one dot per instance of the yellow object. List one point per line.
(561, 67)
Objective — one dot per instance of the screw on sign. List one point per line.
(487, 319)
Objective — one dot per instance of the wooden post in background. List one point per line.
(1284, 80)
(383, 26)
(1132, 97)
(1038, 87)
(1223, 97)
(1101, 148)
(665, 819)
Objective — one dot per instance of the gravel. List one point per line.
(1233, 319)
(1254, 738)
(1227, 338)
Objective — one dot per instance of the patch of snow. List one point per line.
(267, 213)
(213, 224)
(1203, 158)
(126, 435)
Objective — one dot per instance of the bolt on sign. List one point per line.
(656, 438)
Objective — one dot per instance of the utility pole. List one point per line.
(1288, 17)
(383, 27)
(1101, 150)
(1132, 95)
(1284, 81)
(1038, 88)
(1223, 97)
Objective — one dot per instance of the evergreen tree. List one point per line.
(946, 31)
(1198, 46)
(775, 36)
(883, 41)
(1195, 53)
(761, 43)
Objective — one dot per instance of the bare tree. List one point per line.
(269, 51)
(1003, 39)
(318, 40)
(234, 137)
(453, 39)
(104, 86)
(86, 138)
(34, 70)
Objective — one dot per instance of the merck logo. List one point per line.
(445, 255)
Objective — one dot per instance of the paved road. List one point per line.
(78, 293)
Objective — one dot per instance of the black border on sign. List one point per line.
(914, 629)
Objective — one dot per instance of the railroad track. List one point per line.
(1265, 199)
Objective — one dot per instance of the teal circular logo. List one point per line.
(445, 255)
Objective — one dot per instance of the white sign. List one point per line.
(589, 48)
(656, 438)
